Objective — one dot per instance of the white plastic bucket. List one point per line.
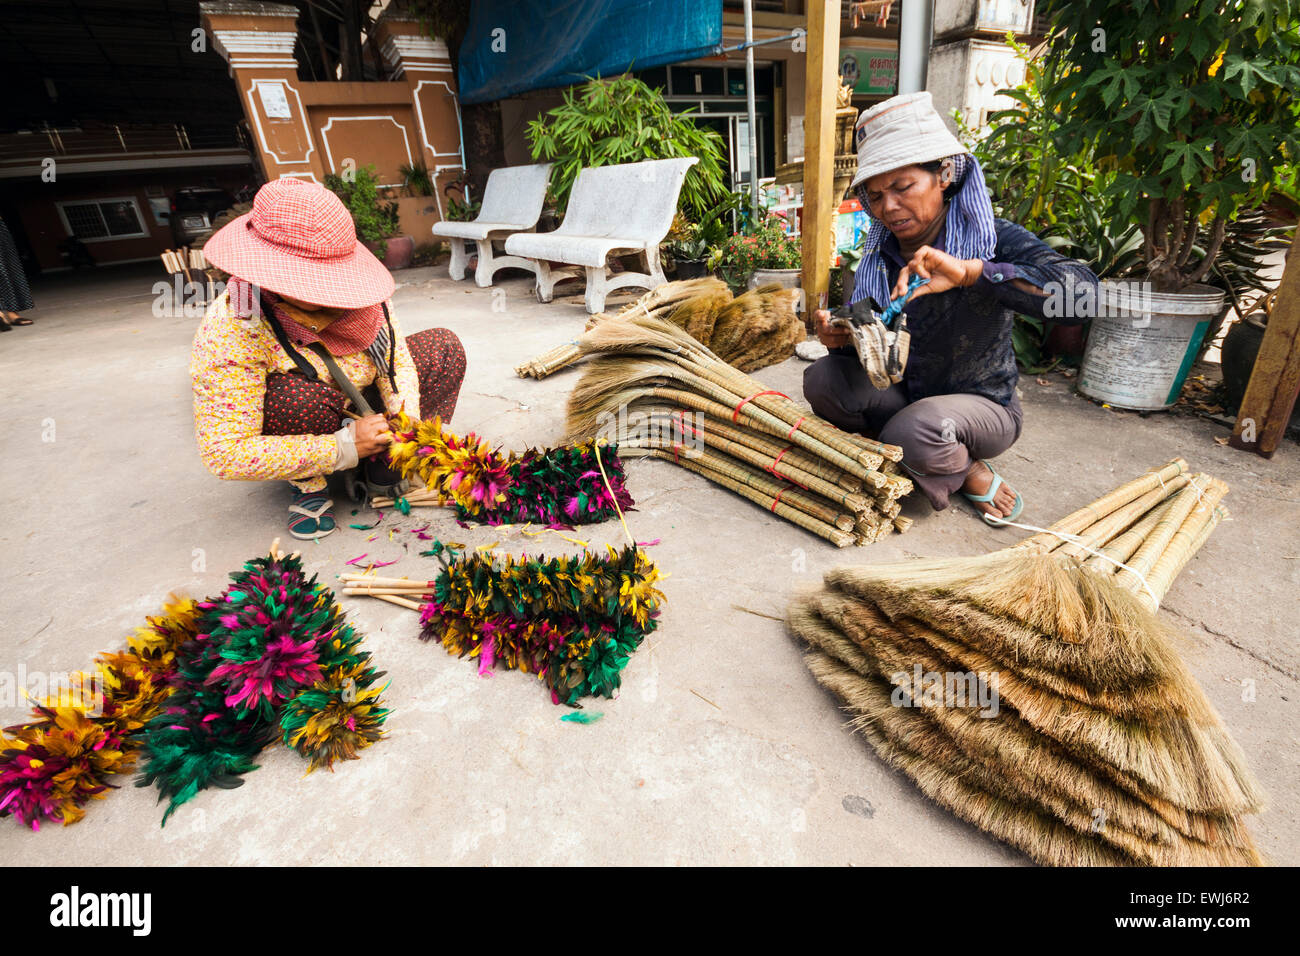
(1143, 343)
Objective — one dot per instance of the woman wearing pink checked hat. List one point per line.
(305, 327)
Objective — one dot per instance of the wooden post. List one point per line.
(821, 82)
(1275, 381)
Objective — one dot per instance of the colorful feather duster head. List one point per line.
(575, 484)
(76, 741)
(274, 658)
(572, 621)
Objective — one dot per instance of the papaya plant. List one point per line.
(1190, 104)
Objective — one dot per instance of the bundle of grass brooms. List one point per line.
(198, 693)
(753, 330)
(660, 393)
(575, 484)
(1034, 692)
(572, 621)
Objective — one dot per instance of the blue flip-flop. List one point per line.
(993, 490)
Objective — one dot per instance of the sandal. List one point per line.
(310, 516)
(993, 490)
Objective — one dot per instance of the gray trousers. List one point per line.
(941, 436)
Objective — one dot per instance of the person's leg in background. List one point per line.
(839, 391)
(944, 436)
(296, 406)
(439, 359)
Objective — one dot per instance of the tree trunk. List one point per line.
(484, 143)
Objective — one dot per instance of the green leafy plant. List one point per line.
(693, 241)
(1033, 183)
(416, 179)
(621, 120)
(375, 220)
(768, 248)
(1190, 104)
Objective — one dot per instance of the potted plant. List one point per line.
(1189, 109)
(768, 255)
(621, 120)
(690, 244)
(376, 220)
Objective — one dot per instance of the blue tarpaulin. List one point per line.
(512, 46)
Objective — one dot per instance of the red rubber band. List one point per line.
(776, 461)
(777, 500)
(735, 415)
(795, 427)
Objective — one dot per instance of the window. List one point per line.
(103, 220)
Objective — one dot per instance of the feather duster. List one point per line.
(56, 763)
(549, 486)
(572, 621)
(340, 714)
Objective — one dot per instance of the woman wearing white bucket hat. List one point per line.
(931, 218)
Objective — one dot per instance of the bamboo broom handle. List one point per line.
(766, 424)
(748, 391)
(376, 592)
(1181, 545)
(797, 456)
(1124, 546)
(769, 486)
(1200, 489)
(1092, 513)
(790, 472)
(788, 411)
(400, 602)
(832, 534)
(1096, 535)
(1220, 513)
(356, 580)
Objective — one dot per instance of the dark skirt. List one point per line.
(15, 295)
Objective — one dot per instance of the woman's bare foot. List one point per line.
(978, 480)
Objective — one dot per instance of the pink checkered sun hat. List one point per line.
(300, 241)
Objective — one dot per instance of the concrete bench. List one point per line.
(512, 202)
(622, 209)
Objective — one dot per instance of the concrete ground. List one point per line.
(721, 748)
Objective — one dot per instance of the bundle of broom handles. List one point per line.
(1143, 533)
(404, 592)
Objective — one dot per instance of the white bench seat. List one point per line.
(512, 203)
(625, 209)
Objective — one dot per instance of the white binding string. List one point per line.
(1077, 540)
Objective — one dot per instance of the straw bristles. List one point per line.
(752, 331)
(1099, 748)
(650, 373)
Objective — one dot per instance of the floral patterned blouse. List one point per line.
(231, 357)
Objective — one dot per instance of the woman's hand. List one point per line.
(944, 272)
(372, 435)
(830, 336)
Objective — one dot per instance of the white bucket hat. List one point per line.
(901, 131)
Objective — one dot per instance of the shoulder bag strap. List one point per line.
(343, 382)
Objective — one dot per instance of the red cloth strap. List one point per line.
(735, 414)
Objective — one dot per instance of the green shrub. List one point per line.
(621, 120)
(375, 220)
